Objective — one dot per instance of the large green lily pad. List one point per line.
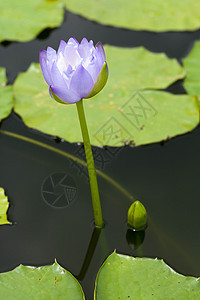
(192, 67)
(23, 20)
(4, 204)
(118, 114)
(125, 277)
(132, 69)
(6, 99)
(44, 283)
(154, 15)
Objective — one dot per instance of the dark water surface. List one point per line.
(165, 178)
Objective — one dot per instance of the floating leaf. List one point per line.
(23, 20)
(44, 283)
(140, 15)
(153, 115)
(192, 67)
(125, 277)
(6, 100)
(132, 69)
(4, 204)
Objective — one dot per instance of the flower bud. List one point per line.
(137, 216)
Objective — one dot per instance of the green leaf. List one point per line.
(192, 67)
(4, 204)
(132, 69)
(155, 116)
(6, 99)
(154, 15)
(42, 283)
(124, 277)
(23, 20)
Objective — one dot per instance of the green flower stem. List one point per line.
(91, 167)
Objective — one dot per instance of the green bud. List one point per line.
(137, 216)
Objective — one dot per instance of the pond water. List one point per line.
(164, 177)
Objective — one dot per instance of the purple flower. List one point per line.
(75, 71)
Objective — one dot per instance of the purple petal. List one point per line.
(81, 82)
(69, 71)
(61, 63)
(101, 81)
(51, 54)
(92, 67)
(51, 57)
(83, 51)
(43, 64)
(101, 50)
(71, 55)
(57, 78)
(91, 44)
(65, 95)
(62, 46)
(84, 41)
(67, 75)
(99, 59)
(86, 48)
(73, 41)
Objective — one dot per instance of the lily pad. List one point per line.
(44, 283)
(23, 20)
(192, 67)
(125, 277)
(6, 99)
(139, 118)
(134, 69)
(140, 15)
(4, 204)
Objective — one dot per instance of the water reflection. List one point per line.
(90, 252)
(135, 238)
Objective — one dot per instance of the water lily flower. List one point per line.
(75, 71)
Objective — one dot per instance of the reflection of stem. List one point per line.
(90, 252)
(70, 156)
(98, 219)
(103, 242)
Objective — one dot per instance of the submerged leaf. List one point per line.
(44, 283)
(192, 67)
(125, 277)
(23, 20)
(117, 115)
(4, 204)
(153, 15)
(6, 100)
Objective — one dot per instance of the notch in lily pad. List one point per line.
(137, 216)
